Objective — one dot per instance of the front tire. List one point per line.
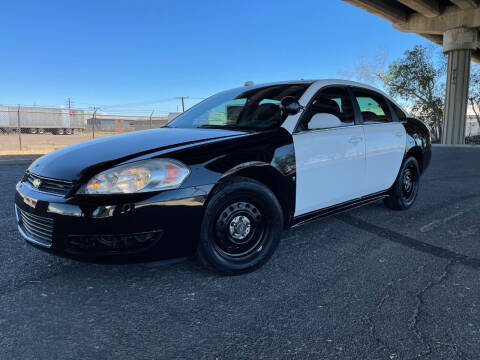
(405, 189)
(241, 227)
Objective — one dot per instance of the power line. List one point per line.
(137, 103)
(139, 107)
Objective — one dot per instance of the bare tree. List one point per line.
(369, 69)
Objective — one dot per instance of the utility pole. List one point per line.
(151, 118)
(94, 120)
(69, 103)
(19, 129)
(183, 102)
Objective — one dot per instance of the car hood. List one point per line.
(83, 159)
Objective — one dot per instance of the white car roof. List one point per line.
(327, 82)
(317, 84)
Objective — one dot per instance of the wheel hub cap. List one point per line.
(239, 227)
(239, 230)
(407, 181)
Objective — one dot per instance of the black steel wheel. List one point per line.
(241, 228)
(405, 189)
(239, 231)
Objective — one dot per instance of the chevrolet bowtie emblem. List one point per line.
(37, 183)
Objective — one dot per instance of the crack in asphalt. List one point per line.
(391, 284)
(389, 287)
(438, 252)
(410, 242)
(382, 344)
(414, 320)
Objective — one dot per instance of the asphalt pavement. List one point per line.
(368, 284)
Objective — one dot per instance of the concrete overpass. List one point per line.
(454, 24)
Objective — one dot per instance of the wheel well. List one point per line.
(417, 153)
(273, 180)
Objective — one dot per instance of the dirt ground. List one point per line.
(42, 144)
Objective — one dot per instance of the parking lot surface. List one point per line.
(368, 284)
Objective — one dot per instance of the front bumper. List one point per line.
(133, 227)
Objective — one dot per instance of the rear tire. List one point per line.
(241, 227)
(405, 189)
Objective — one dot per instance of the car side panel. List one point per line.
(330, 167)
(385, 149)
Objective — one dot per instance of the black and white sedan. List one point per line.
(225, 178)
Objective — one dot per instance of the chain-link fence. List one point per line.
(35, 130)
(472, 131)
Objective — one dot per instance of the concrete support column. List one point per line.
(458, 44)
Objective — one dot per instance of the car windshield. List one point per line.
(257, 108)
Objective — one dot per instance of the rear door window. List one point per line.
(373, 107)
(399, 112)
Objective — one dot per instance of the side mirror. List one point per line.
(324, 121)
(290, 105)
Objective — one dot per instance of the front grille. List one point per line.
(36, 227)
(53, 186)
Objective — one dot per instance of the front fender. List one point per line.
(418, 143)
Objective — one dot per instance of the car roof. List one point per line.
(324, 82)
(319, 83)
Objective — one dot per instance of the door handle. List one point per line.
(399, 133)
(355, 140)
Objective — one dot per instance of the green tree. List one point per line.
(418, 80)
(474, 92)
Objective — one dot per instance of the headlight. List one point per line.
(141, 176)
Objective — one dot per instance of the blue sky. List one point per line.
(134, 56)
